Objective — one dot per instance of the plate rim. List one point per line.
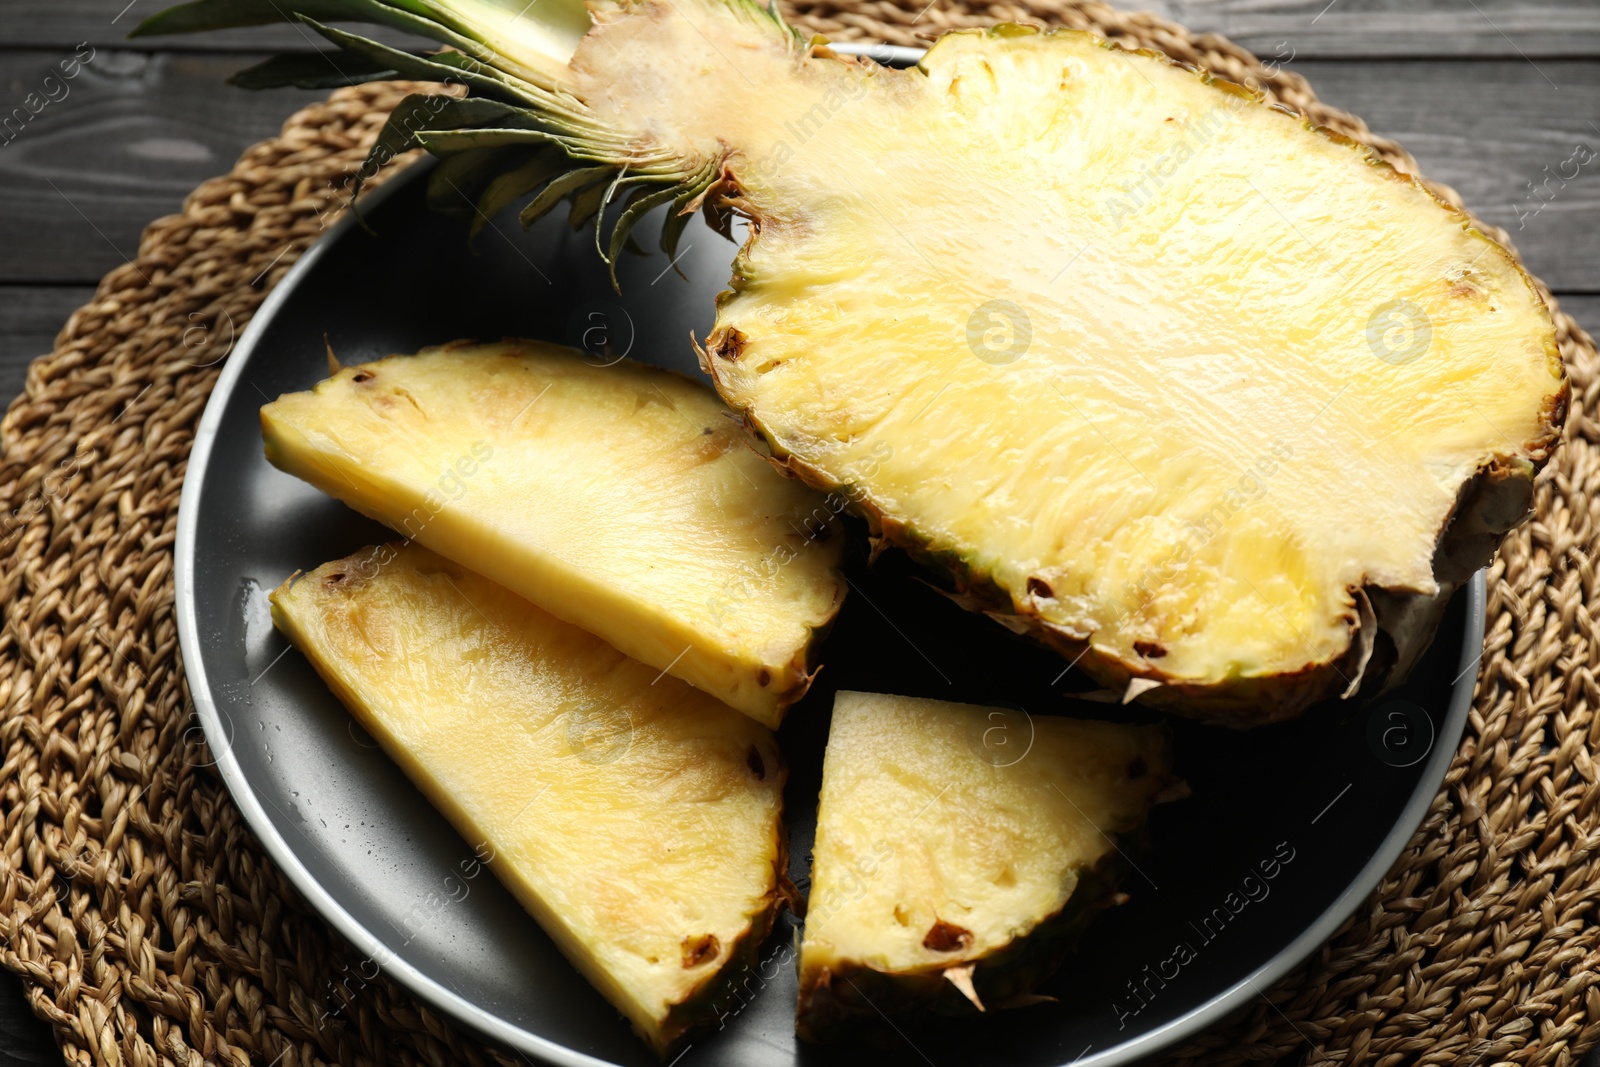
(486, 1022)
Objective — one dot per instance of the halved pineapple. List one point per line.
(619, 498)
(1206, 400)
(1215, 403)
(959, 852)
(638, 819)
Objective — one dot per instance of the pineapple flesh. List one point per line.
(620, 499)
(1196, 399)
(953, 866)
(1213, 402)
(637, 819)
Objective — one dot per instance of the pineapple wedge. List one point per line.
(638, 819)
(620, 499)
(1214, 402)
(954, 866)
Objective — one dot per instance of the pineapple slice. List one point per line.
(955, 865)
(638, 819)
(1213, 402)
(620, 499)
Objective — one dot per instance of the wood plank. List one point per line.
(1375, 28)
(1586, 310)
(1494, 130)
(30, 318)
(1349, 28)
(63, 24)
(133, 134)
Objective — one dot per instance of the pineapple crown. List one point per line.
(507, 127)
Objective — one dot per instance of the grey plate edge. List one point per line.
(1219, 1006)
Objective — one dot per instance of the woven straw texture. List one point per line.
(150, 928)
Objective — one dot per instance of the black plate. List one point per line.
(1287, 829)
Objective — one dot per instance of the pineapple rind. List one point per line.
(624, 858)
(1490, 503)
(848, 1000)
(623, 502)
(1242, 702)
(920, 824)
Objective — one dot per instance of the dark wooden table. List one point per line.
(1499, 98)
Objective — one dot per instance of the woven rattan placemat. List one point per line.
(149, 927)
